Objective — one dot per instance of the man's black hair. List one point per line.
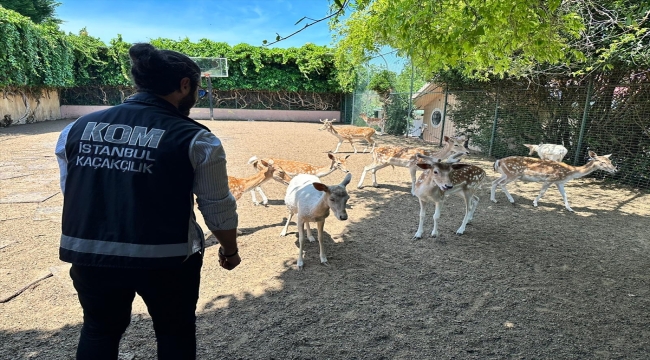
(160, 71)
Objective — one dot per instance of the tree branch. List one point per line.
(280, 38)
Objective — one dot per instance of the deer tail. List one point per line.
(496, 166)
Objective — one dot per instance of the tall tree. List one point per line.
(39, 11)
(481, 37)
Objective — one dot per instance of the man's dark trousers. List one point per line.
(106, 296)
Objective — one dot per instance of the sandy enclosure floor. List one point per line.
(522, 282)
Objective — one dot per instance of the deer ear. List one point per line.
(264, 163)
(424, 165)
(528, 146)
(330, 155)
(321, 187)
(347, 179)
(592, 154)
(607, 156)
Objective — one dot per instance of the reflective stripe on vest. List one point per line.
(122, 249)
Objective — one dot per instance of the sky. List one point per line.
(233, 21)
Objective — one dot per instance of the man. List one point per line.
(128, 175)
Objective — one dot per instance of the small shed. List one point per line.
(431, 99)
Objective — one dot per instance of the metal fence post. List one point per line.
(494, 125)
(444, 117)
(584, 122)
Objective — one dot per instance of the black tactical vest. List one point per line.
(128, 193)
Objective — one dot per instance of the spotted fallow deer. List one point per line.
(293, 168)
(350, 133)
(384, 156)
(311, 201)
(548, 172)
(380, 122)
(441, 179)
(267, 171)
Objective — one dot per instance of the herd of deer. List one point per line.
(309, 200)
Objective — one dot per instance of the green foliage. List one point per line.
(39, 11)
(33, 55)
(403, 81)
(308, 68)
(397, 119)
(41, 55)
(481, 37)
(491, 39)
(382, 82)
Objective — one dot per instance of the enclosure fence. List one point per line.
(603, 118)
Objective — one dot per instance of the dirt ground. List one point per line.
(522, 282)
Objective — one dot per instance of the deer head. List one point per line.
(275, 172)
(337, 196)
(338, 162)
(602, 162)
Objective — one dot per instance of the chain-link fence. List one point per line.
(604, 118)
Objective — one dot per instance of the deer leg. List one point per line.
(412, 170)
(566, 202)
(338, 146)
(541, 193)
(469, 205)
(301, 240)
(354, 147)
(286, 226)
(436, 216)
(310, 236)
(374, 174)
(493, 190)
(423, 214)
(367, 168)
(502, 182)
(475, 200)
(319, 226)
(505, 191)
(265, 200)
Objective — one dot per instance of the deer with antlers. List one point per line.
(349, 134)
(548, 172)
(380, 122)
(384, 156)
(292, 168)
(441, 179)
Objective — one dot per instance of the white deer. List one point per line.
(441, 179)
(311, 201)
(380, 122)
(293, 168)
(385, 156)
(267, 171)
(349, 133)
(548, 151)
(548, 172)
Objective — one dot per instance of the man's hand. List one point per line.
(229, 262)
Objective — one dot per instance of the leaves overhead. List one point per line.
(494, 38)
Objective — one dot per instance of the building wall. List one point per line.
(44, 108)
(431, 102)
